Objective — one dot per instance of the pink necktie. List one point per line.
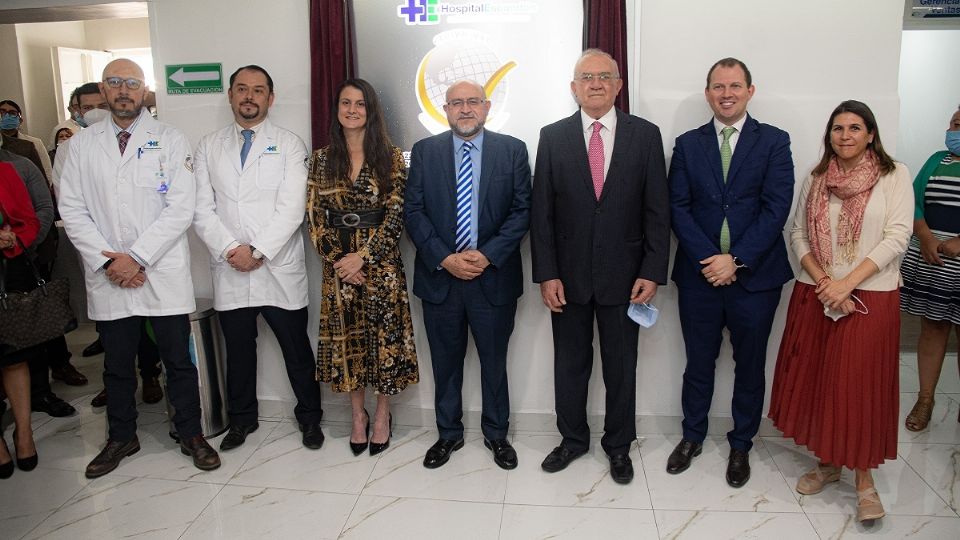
(595, 153)
(122, 139)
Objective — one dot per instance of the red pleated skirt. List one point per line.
(836, 384)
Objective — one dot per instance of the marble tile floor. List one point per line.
(272, 487)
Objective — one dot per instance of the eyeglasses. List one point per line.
(604, 77)
(115, 82)
(9, 112)
(459, 103)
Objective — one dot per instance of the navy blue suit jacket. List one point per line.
(504, 202)
(755, 199)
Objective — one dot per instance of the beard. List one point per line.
(119, 112)
(248, 115)
(467, 132)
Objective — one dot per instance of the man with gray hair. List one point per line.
(467, 208)
(127, 198)
(600, 235)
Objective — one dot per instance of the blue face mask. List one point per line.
(9, 121)
(953, 142)
(78, 118)
(643, 314)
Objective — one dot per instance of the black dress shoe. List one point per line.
(49, 403)
(204, 456)
(503, 453)
(312, 436)
(99, 400)
(109, 458)
(93, 349)
(69, 375)
(558, 459)
(151, 390)
(738, 468)
(621, 468)
(439, 453)
(682, 455)
(358, 447)
(376, 448)
(237, 435)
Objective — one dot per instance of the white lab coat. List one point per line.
(262, 204)
(110, 202)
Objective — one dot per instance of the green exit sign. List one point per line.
(194, 78)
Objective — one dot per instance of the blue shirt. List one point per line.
(475, 154)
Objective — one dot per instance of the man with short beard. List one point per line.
(251, 195)
(467, 208)
(127, 197)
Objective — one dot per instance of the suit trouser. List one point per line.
(121, 340)
(573, 363)
(290, 328)
(446, 324)
(749, 317)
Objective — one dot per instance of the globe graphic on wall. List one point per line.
(452, 61)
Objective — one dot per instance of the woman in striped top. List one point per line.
(931, 268)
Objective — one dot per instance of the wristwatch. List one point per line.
(737, 262)
(255, 253)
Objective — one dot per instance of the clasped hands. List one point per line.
(931, 248)
(124, 271)
(8, 238)
(466, 265)
(835, 295)
(242, 260)
(350, 269)
(551, 291)
(719, 270)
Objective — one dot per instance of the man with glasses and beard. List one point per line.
(251, 194)
(127, 197)
(467, 208)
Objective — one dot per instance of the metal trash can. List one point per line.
(207, 351)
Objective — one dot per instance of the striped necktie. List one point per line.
(122, 139)
(464, 197)
(725, 154)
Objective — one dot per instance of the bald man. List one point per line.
(127, 197)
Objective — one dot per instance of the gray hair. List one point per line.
(595, 52)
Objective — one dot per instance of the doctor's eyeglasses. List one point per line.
(115, 82)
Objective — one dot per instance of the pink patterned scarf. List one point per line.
(853, 188)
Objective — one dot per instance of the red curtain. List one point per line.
(605, 28)
(331, 60)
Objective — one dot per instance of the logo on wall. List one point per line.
(461, 54)
(428, 12)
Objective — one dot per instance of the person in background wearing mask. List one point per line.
(71, 122)
(11, 118)
(931, 268)
(91, 108)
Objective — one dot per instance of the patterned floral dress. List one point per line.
(366, 333)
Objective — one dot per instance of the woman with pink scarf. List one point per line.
(835, 389)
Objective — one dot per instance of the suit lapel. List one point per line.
(488, 156)
(448, 168)
(748, 138)
(708, 140)
(577, 150)
(621, 141)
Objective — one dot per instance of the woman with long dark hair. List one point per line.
(835, 389)
(355, 205)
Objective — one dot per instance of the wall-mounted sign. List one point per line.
(931, 14)
(194, 78)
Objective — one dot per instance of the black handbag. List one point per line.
(31, 318)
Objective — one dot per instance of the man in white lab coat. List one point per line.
(251, 191)
(127, 197)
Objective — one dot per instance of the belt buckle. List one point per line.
(350, 220)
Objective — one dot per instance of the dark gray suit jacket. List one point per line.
(598, 249)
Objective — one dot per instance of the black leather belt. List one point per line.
(360, 219)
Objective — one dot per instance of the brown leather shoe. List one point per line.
(69, 375)
(204, 456)
(109, 458)
(152, 391)
(99, 400)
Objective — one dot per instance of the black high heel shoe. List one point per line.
(376, 448)
(6, 469)
(27, 463)
(358, 447)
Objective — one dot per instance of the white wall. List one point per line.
(806, 57)
(929, 93)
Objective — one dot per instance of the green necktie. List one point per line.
(725, 154)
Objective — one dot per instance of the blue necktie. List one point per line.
(247, 142)
(464, 197)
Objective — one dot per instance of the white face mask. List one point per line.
(93, 116)
(643, 314)
(836, 314)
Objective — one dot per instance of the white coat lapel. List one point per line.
(264, 139)
(108, 141)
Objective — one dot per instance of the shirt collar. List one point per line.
(477, 141)
(718, 125)
(608, 120)
(130, 129)
(254, 129)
